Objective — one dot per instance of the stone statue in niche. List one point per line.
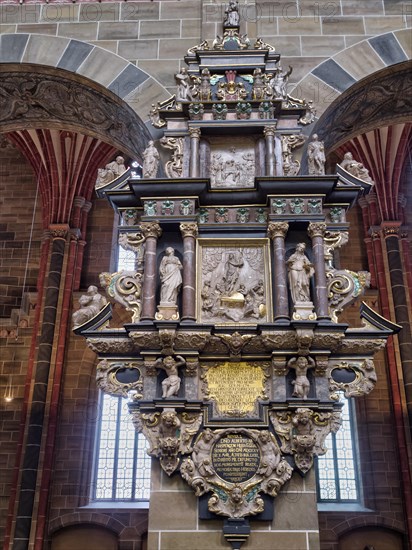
(301, 384)
(171, 384)
(355, 168)
(183, 92)
(170, 277)
(111, 171)
(279, 83)
(151, 159)
(300, 270)
(232, 14)
(90, 304)
(316, 157)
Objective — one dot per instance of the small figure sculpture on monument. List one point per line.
(202, 451)
(301, 383)
(183, 92)
(269, 454)
(232, 268)
(90, 304)
(111, 171)
(232, 14)
(171, 384)
(151, 159)
(355, 168)
(300, 271)
(279, 83)
(170, 277)
(316, 157)
(169, 424)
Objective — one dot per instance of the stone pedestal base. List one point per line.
(167, 312)
(304, 311)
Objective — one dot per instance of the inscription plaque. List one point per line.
(235, 458)
(236, 387)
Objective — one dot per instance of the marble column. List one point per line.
(151, 231)
(269, 132)
(316, 231)
(194, 166)
(189, 232)
(277, 232)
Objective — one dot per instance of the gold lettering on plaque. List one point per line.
(236, 387)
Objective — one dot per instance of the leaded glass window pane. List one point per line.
(337, 477)
(122, 463)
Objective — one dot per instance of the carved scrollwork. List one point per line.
(35, 97)
(354, 379)
(120, 378)
(344, 287)
(279, 340)
(111, 345)
(361, 346)
(303, 433)
(169, 434)
(125, 288)
(191, 340)
(291, 166)
(145, 340)
(134, 242)
(262, 469)
(174, 167)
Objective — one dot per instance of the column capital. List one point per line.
(391, 228)
(189, 229)
(87, 206)
(59, 230)
(277, 229)
(79, 201)
(194, 132)
(269, 131)
(316, 229)
(151, 229)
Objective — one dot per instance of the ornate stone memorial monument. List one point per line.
(235, 351)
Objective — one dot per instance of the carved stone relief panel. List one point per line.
(234, 281)
(234, 166)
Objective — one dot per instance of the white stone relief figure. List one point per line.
(202, 451)
(316, 157)
(111, 171)
(269, 453)
(170, 277)
(171, 384)
(183, 92)
(355, 168)
(301, 384)
(279, 83)
(151, 159)
(232, 14)
(90, 304)
(300, 270)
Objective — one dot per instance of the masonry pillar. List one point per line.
(189, 232)
(152, 231)
(36, 414)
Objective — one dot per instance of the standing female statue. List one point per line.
(170, 277)
(300, 272)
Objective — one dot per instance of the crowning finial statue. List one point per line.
(355, 168)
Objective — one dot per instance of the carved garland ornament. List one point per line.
(122, 378)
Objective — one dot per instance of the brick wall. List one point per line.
(17, 200)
